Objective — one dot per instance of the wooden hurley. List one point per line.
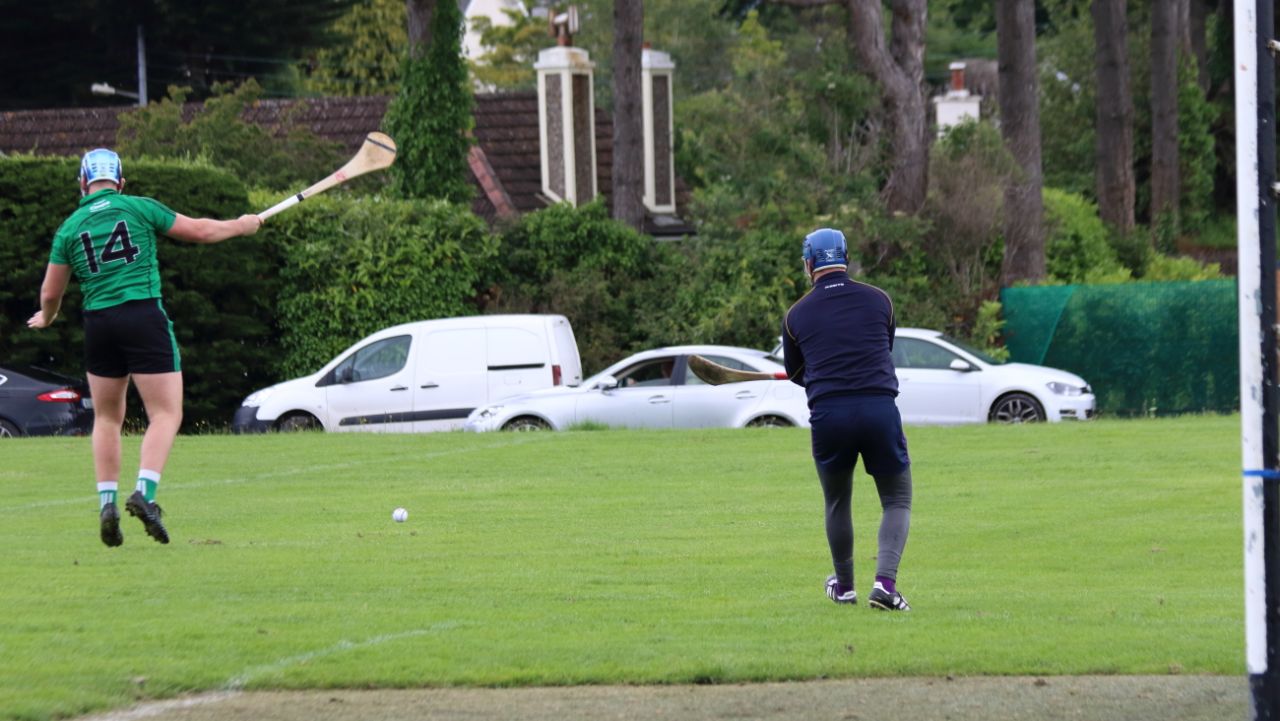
(716, 374)
(376, 153)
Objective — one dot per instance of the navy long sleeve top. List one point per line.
(838, 339)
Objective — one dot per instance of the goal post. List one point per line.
(1260, 436)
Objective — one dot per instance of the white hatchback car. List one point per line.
(655, 389)
(942, 380)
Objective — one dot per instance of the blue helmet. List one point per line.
(100, 164)
(826, 248)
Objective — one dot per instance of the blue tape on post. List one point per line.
(1264, 473)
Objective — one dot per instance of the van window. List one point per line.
(379, 359)
(512, 348)
(453, 351)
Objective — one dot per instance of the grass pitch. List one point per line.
(597, 557)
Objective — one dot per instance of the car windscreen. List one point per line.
(984, 357)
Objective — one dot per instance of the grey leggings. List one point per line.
(895, 520)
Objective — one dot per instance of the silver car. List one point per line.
(654, 389)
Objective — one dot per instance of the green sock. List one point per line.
(106, 494)
(147, 482)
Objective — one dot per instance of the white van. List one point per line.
(423, 376)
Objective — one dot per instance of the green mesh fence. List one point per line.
(1146, 348)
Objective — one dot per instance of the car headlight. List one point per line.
(257, 398)
(488, 412)
(1067, 389)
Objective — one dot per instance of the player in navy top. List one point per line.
(837, 343)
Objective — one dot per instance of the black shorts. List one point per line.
(845, 427)
(133, 337)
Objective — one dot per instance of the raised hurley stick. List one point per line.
(377, 152)
(716, 374)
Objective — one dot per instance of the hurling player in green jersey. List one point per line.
(109, 245)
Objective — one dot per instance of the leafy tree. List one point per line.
(279, 159)
(512, 49)
(896, 63)
(370, 40)
(431, 116)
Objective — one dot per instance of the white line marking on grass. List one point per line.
(91, 499)
(235, 685)
(156, 708)
(238, 682)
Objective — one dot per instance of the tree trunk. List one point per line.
(1113, 150)
(899, 70)
(1164, 109)
(419, 15)
(628, 120)
(1020, 124)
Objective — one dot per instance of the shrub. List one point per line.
(580, 263)
(1076, 241)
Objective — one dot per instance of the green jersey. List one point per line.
(110, 244)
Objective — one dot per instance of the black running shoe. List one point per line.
(833, 592)
(109, 520)
(139, 507)
(886, 601)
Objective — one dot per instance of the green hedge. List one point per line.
(356, 265)
(219, 296)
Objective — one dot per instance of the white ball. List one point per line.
(399, 515)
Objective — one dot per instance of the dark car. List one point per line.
(39, 402)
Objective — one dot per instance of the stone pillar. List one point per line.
(566, 124)
(656, 69)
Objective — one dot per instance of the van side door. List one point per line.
(450, 378)
(370, 389)
(519, 361)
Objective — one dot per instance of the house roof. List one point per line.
(505, 162)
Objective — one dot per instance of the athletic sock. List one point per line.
(887, 584)
(107, 493)
(147, 482)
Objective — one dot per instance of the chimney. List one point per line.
(958, 105)
(957, 79)
(656, 69)
(566, 124)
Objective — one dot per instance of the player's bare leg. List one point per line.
(162, 397)
(108, 419)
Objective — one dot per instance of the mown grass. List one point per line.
(614, 557)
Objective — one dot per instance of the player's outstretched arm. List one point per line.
(56, 278)
(208, 230)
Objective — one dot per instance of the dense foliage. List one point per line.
(55, 51)
(289, 158)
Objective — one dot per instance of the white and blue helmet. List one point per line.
(826, 248)
(100, 164)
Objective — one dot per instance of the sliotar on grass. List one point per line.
(601, 557)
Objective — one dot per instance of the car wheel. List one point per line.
(8, 430)
(297, 422)
(526, 423)
(770, 422)
(1016, 408)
